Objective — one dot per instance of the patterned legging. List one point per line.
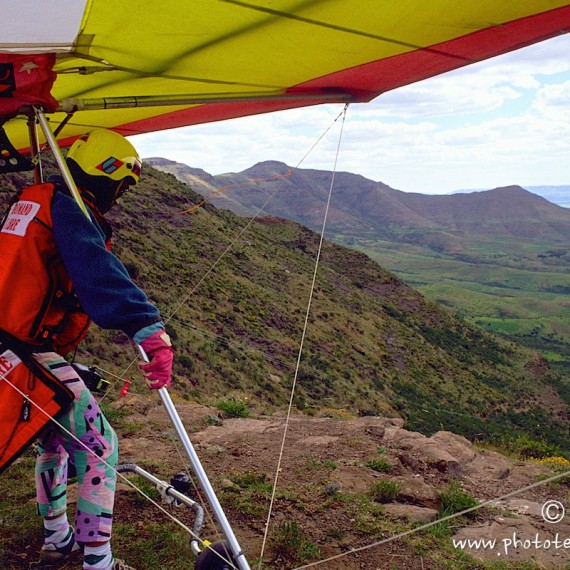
(94, 458)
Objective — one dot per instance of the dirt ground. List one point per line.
(324, 459)
(322, 474)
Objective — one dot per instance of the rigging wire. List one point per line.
(205, 544)
(183, 459)
(191, 292)
(302, 343)
(245, 228)
(172, 316)
(222, 189)
(183, 302)
(229, 248)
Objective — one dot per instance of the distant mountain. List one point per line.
(500, 257)
(559, 195)
(181, 170)
(362, 206)
(209, 186)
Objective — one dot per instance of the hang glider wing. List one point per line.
(145, 66)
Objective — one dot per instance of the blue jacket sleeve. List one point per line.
(102, 283)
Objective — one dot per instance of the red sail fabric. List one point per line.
(26, 80)
(143, 67)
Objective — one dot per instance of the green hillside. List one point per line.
(511, 287)
(499, 258)
(236, 296)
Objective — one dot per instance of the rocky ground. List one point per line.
(329, 511)
(329, 464)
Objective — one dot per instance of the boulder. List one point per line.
(413, 489)
(411, 512)
(457, 445)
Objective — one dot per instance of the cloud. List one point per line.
(499, 122)
(554, 99)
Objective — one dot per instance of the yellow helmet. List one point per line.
(104, 163)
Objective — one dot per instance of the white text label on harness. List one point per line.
(19, 218)
(8, 361)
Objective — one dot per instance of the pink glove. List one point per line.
(158, 348)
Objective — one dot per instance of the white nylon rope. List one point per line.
(204, 544)
(300, 353)
(208, 272)
(234, 241)
(182, 303)
(490, 502)
(185, 527)
(244, 229)
(184, 462)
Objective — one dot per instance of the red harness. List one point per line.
(38, 304)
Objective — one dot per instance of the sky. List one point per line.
(496, 123)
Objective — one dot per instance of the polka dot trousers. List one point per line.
(93, 450)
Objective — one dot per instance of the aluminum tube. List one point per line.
(35, 149)
(74, 104)
(60, 160)
(170, 490)
(203, 480)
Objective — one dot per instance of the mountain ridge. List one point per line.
(557, 194)
(498, 257)
(300, 195)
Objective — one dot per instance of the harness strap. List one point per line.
(10, 159)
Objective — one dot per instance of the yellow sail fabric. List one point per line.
(143, 66)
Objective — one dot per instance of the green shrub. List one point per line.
(529, 448)
(291, 544)
(380, 465)
(233, 408)
(250, 480)
(384, 491)
(455, 500)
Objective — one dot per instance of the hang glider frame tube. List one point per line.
(164, 488)
(36, 115)
(237, 552)
(59, 158)
(72, 105)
